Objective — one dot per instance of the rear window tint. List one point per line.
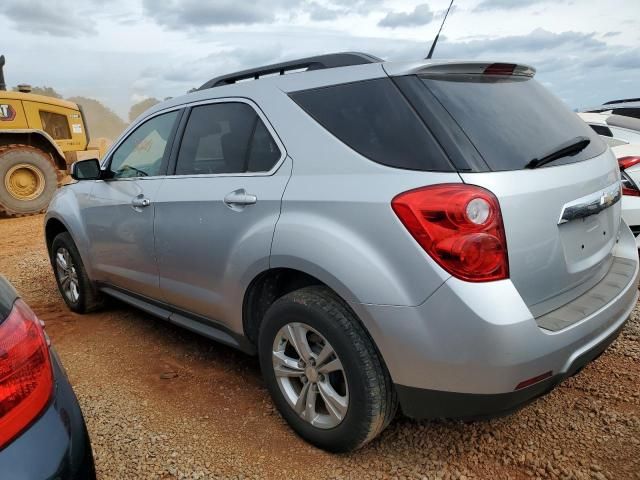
(373, 118)
(512, 120)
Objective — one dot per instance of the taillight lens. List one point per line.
(460, 227)
(26, 378)
(628, 186)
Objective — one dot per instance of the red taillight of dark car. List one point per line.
(628, 186)
(26, 378)
(460, 227)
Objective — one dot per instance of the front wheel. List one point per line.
(323, 371)
(74, 284)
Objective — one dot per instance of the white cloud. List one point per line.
(122, 51)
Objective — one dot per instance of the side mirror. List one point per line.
(88, 169)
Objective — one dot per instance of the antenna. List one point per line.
(435, 40)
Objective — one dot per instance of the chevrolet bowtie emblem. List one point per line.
(607, 199)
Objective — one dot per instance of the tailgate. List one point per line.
(552, 259)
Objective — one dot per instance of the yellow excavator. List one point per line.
(40, 137)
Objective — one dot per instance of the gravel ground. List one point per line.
(163, 403)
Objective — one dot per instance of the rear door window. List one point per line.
(226, 138)
(511, 120)
(374, 119)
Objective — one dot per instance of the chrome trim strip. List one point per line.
(591, 204)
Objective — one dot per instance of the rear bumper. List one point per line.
(421, 403)
(56, 445)
(464, 351)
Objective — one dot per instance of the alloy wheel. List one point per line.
(67, 275)
(310, 375)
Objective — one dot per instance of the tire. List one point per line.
(28, 180)
(85, 297)
(324, 318)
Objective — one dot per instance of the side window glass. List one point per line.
(55, 125)
(142, 153)
(216, 139)
(263, 152)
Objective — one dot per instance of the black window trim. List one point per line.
(178, 141)
(106, 163)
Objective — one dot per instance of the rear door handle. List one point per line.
(140, 202)
(239, 199)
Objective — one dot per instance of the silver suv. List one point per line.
(445, 236)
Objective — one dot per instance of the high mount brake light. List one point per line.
(500, 69)
(26, 378)
(628, 185)
(459, 226)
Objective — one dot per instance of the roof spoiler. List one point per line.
(319, 62)
(460, 68)
(623, 122)
(623, 100)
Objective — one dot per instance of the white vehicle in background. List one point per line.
(629, 161)
(614, 129)
(617, 121)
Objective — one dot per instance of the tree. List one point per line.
(102, 121)
(140, 107)
(46, 91)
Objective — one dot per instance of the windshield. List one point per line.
(511, 120)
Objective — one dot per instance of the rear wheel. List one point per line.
(323, 371)
(28, 180)
(76, 288)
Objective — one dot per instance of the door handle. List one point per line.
(140, 202)
(239, 199)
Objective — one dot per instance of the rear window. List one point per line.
(511, 120)
(374, 119)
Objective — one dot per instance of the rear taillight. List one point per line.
(26, 379)
(459, 226)
(628, 186)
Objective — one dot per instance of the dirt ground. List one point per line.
(161, 402)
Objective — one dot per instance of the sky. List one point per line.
(122, 51)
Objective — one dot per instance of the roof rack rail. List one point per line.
(332, 60)
(624, 100)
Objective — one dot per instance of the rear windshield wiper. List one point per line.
(572, 147)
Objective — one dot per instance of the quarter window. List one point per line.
(374, 119)
(143, 153)
(56, 125)
(225, 138)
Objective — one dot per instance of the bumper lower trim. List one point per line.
(421, 403)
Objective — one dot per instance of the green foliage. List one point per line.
(101, 120)
(140, 107)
